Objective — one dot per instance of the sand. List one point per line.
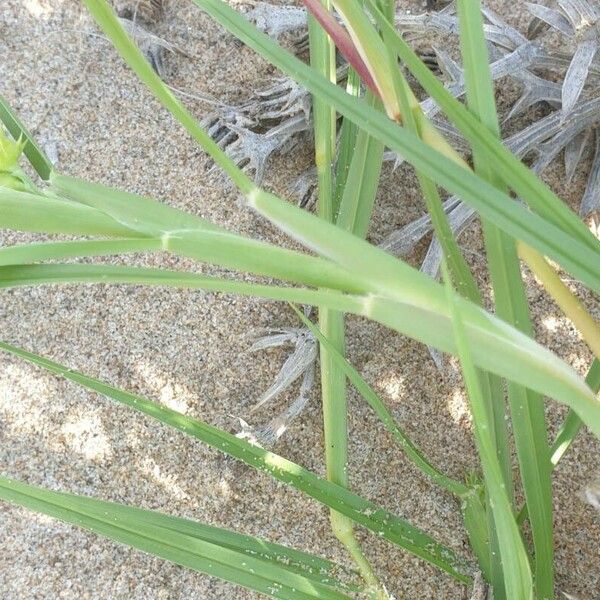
(190, 350)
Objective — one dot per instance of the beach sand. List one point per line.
(190, 350)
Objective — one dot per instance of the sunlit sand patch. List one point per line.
(171, 394)
(170, 397)
(170, 482)
(22, 397)
(85, 435)
(393, 385)
(458, 407)
(551, 323)
(41, 9)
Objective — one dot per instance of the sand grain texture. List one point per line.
(190, 350)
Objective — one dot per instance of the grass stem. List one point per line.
(562, 295)
(333, 380)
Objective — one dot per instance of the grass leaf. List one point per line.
(375, 402)
(334, 496)
(515, 562)
(268, 568)
(36, 156)
(37, 252)
(98, 210)
(526, 407)
(25, 211)
(508, 167)
(576, 256)
(418, 313)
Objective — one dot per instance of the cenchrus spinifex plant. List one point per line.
(506, 372)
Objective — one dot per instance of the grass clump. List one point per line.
(506, 371)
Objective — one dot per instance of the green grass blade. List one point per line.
(107, 20)
(575, 256)
(412, 120)
(43, 274)
(24, 211)
(32, 253)
(122, 215)
(572, 424)
(412, 117)
(474, 51)
(322, 60)
(39, 161)
(480, 96)
(333, 388)
(358, 197)
(517, 574)
(476, 521)
(375, 402)
(199, 239)
(336, 497)
(333, 383)
(567, 433)
(569, 429)
(511, 170)
(527, 408)
(358, 200)
(142, 214)
(415, 121)
(267, 568)
(498, 347)
(346, 144)
(244, 254)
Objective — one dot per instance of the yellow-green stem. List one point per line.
(562, 295)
